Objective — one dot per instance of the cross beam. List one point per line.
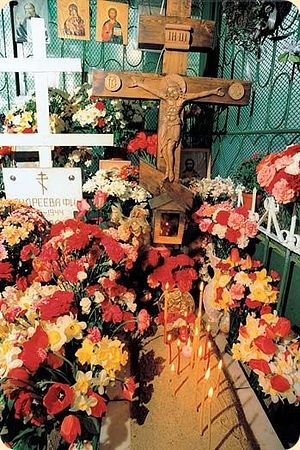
(40, 66)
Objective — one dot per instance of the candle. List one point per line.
(169, 346)
(166, 301)
(195, 345)
(187, 350)
(219, 369)
(178, 356)
(209, 398)
(202, 398)
(209, 345)
(199, 357)
(207, 333)
(201, 293)
(254, 193)
(173, 373)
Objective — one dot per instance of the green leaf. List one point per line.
(294, 58)
(91, 425)
(283, 57)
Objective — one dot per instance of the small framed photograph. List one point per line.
(168, 227)
(195, 163)
(24, 12)
(73, 19)
(112, 22)
(110, 164)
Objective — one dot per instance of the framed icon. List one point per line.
(112, 22)
(73, 19)
(24, 12)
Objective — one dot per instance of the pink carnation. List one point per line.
(236, 221)
(143, 320)
(266, 175)
(204, 225)
(251, 228)
(237, 291)
(281, 163)
(282, 192)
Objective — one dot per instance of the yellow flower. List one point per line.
(262, 275)
(86, 353)
(83, 403)
(83, 381)
(56, 335)
(72, 328)
(243, 278)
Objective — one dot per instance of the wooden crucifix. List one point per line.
(176, 33)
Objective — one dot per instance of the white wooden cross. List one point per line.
(40, 66)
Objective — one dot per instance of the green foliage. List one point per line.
(245, 174)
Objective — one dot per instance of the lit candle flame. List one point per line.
(207, 374)
(208, 328)
(210, 393)
(189, 342)
(167, 286)
(220, 364)
(178, 343)
(196, 332)
(201, 286)
(200, 352)
(173, 369)
(185, 314)
(169, 338)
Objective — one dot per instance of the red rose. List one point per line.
(23, 405)
(34, 353)
(70, 428)
(261, 365)
(279, 383)
(58, 398)
(265, 344)
(100, 408)
(55, 305)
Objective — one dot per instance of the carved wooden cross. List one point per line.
(176, 33)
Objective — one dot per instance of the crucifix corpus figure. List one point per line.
(173, 98)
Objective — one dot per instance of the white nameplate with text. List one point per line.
(53, 191)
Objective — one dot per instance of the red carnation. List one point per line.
(58, 398)
(55, 305)
(5, 150)
(265, 344)
(34, 350)
(70, 273)
(261, 365)
(28, 252)
(279, 383)
(100, 105)
(48, 253)
(101, 122)
(112, 313)
(266, 309)
(222, 217)
(234, 255)
(70, 428)
(129, 320)
(252, 304)
(113, 249)
(5, 271)
(232, 235)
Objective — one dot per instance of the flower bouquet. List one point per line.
(142, 146)
(22, 230)
(279, 174)
(240, 285)
(117, 186)
(60, 341)
(226, 223)
(267, 346)
(213, 190)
